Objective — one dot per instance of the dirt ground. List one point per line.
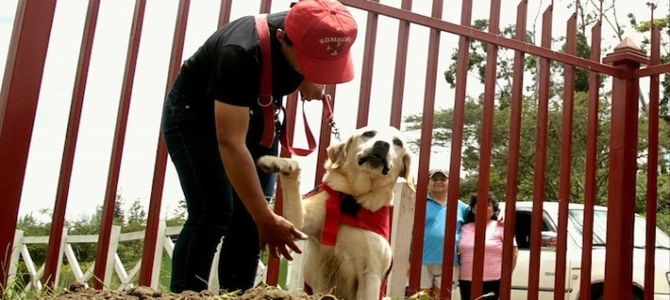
(78, 291)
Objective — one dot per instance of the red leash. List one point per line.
(287, 137)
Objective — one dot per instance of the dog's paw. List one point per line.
(273, 164)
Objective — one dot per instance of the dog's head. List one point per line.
(373, 156)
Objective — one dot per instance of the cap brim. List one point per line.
(322, 71)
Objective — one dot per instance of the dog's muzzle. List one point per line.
(377, 157)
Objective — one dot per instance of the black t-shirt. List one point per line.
(227, 67)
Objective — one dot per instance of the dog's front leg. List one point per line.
(369, 287)
(289, 176)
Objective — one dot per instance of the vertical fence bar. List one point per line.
(590, 166)
(652, 165)
(265, 7)
(324, 137)
(565, 161)
(513, 161)
(69, 147)
(224, 12)
(424, 152)
(18, 105)
(273, 261)
(117, 148)
(366, 68)
(153, 216)
(456, 147)
(622, 169)
(540, 159)
(400, 67)
(485, 142)
(272, 273)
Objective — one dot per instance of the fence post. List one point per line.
(158, 255)
(14, 255)
(61, 250)
(213, 280)
(18, 106)
(113, 246)
(294, 276)
(403, 222)
(622, 170)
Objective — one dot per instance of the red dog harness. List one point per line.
(343, 209)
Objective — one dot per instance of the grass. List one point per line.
(16, 288)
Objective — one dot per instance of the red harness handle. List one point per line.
(265, 97)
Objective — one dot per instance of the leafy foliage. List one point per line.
(443, 122)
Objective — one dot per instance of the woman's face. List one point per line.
(489, 210)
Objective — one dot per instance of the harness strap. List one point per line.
(265, 98)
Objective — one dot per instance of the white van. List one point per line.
(574, 253)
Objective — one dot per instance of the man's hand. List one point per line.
(278, 233)
(310, 90)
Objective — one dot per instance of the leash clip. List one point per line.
(335, 130)
(331, 120)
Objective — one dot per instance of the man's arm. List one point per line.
(232, 123)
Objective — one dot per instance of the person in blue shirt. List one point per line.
(433, 239)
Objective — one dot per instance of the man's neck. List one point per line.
(439, 197)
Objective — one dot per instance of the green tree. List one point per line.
(472, 132)
(473, 113)
(179, 214)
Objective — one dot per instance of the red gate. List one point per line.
(26, 60)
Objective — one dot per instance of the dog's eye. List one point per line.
(369, 134)
(397, 142)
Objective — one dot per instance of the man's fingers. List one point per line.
(285, 253)
(294, 247)
(298, 234)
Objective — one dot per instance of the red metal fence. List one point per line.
(26, 61)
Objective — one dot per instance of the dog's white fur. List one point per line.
(355, 267)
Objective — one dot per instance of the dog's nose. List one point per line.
(380, 148)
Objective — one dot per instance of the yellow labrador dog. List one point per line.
(347, 216)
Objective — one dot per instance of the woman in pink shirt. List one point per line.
(493, 245)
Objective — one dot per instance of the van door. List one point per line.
(547, 258)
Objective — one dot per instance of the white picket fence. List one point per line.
(403, 215)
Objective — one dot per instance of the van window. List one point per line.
(576, 227)
(523, 227)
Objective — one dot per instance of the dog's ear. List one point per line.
(406, 172)
(337, 154)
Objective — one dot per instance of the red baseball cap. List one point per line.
(322, 32)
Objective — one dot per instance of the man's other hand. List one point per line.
(278, 234)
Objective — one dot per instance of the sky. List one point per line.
(96, 132)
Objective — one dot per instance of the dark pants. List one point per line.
(214, 209)
(489, 287)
